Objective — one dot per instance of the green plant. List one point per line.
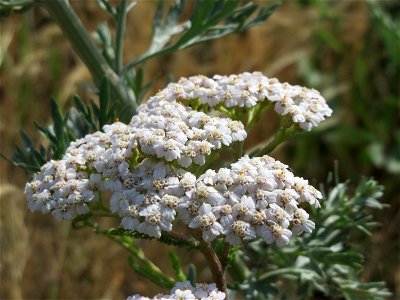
(325, 261)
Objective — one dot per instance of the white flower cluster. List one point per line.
(185, 291)
(256, 197)
(115, 161)
(143, 167)
(305, 106)
(67, 186)
(172, 132)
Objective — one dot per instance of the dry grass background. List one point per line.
(45, 259)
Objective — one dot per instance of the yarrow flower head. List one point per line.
(148, 166)
(186, 291)
(306, 107)
(267, 208)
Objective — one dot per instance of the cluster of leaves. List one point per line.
(361, 84)
(208, 20)
(81, 120)
(323, 263)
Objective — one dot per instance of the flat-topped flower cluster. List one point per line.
(185, 290)
(144, 167)
(305, 106)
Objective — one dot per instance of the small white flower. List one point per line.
(188, 153)
(278, 215)
(224, 215)
(275, 233)
(156, 220)
(243, 209)
(216, 295)
(301, 222)
(287, 199)
(130, 219)
(169, 149)
(184, 295)
(207, 222)
(184, 285)
(237, 131)
(239, 230)
(223, 179)
(264, 198)
(208, 194)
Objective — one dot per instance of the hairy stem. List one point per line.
(217, 270)
(70, 24)
(184, 239)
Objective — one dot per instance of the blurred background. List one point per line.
(349, 50)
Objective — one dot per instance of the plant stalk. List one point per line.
(217, 270)
(282, 135)
(120, 35)
(224, 255)
(70, 24)
(141, 261)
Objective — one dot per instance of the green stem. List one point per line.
(120, 35)
(255, 116)
(239, 150)
(225, 254)
(179, 237)
(141, 263)
(282, 135)
(70, 24)
(278, 139)
(15, 3)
